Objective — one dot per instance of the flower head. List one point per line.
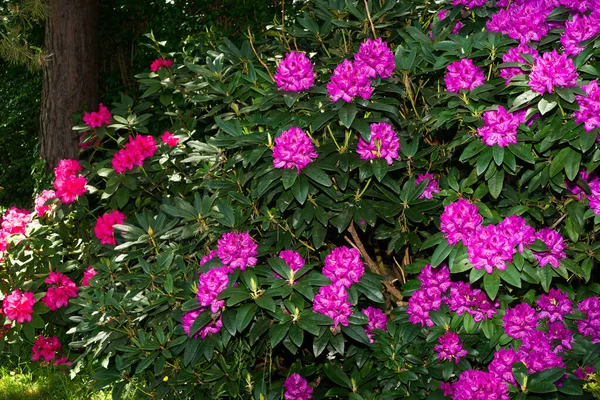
(552, 70)
(87, 275)
(384, 144)
(295, 73)
(578, 29)
(348, 81)
(293, 149)
(214, 326)
(556, 248)
(500, 127)
(15, 220)
(60, 291)
(501, 365)
(516, 230)
(160, 63)
(41, 199)
(479, 385)
(377, 320)
(98, 118)
(589, 106)
(68, 185)
(104, 226)
(450, 347)
(210, 285)
(169, 139)
(590, 326)
(554, 305)
(514, 55)
(332, 301)
(376, 57)
(463, 75)
(296, 388)
(18, 306)
(489, 248)
(522, 21)
(519, 321)
(237, 250)
(135, 152)
(459, 221)
(432, 185)
(292, 258)
(343, 266)
(46, 348)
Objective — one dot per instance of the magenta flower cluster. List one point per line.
(513, 55)
(60, 290)
(68, 184)
(590, 326)
(469, 3)
(377, 320)
(464, 299)
(293, 149)
(97, 119)
(463, 75)
(459, 221)
(297, 388)
(353, 78)
(578, 29)
(332, 301)
(450, 348)
(554, 305)
(589, 106)
(432, 185)
(13, 222)
(479, 385)
(384, 144)
(500, 127)
(237, 250)
(135, 152)
(295, 73)
(551, 70)
(293, 259)
(524, 21)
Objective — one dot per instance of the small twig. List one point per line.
(558, 221)
(257, 56)
(370, 20)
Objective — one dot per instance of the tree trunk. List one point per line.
(70, 76)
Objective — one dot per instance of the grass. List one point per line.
(45, 383)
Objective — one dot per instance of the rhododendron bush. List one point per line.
(398, 201)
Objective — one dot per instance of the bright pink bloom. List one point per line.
(589, 106)
(376, 57)
(501, 365)
(87, 275)
(210, 285)
(479, 385)
(169, 139)
(584, 374)
(519, 321)
(384, 144)
(296, 388)
(432, 185)
(560, 334)
(463, 75)
(98, 118)
(40, 202)
(500, 127)
(446, 388)
(237, 250)
(295, 73)
(348, 81)
(522, 21)
(590, 326)
(377, 320)
(450, 347)
(160, 63)
(536, 352)
(46, 348)
(514, 55)
(60, 292)
(18, 306)
(434, 282)
(15, 220)
(293, 259)
(332, 301)
(135, 152)
(459, 221)
(343, 266)
(552, 70)
(104, 226)
(489, 248)
(578, 29)
(63, 361)
(464, 299)
(68, 185)
(187, 320)
(293, 149)
(556, 248)
(554, 305)
(516, 230)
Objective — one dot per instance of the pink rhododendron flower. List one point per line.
(432, 185)
(463, 75)
(135, 152)
(536, 352)
(578, 29)
(332, 301)
(169, 139)
(187, 320)
(377, 320)
(560, 334)
(556, 248)
(552, 70)
(68, 185)
(384, 144)
(295, 73)
(459, 221)
(522, 21)
(589, 106)
(343, 266)
(296, 388)
(210, 284)
(46, 348)
(479, 385)
(98, 118)
(464, 299)
(501, 365)
(18, 306)
(554, 305)
(376, 58)
(446, 388)
(517, 232)
(514, 55)
(293, 259)
(104, 226)
(40, 202)
(348, 81)
(237, 250)
(450, 347)
(61, 290)
(519, 321)
(63, 361)
(87, 275)
(590, 326)
(160, 63)
(489, 248)
(434, 282)
(584, 374)
(293, 149)
(15, 220)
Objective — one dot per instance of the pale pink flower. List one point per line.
(18, 306)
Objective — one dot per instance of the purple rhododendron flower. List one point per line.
(384, 143)
(552, 70)
(332, 301)
(536, 352)
(479, 385)
(237, 250)
(489, 248)
(210, 284)
(589, 106)
(558, 333)
(187, 320)
(293, 149)
(432, 185)
(556, 248)
(348, 81)
(292, 258)
(517, 231)
(580, 28)
(554, 305)
(590, 326)
(463, 75)
(582, 373)
(377, 320)
(450, 347)
(429, 296)
(459, 221)
(343, 266)
(295, 73)
(376, 58)
(500, 127)
(464, 299)
(524, 21)
(519, 321)
(514, 55)
(297, 388)
(501, 365)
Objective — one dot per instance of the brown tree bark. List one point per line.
(70, 76)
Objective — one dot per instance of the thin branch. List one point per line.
(370, 20)
(558, 221)
(257, 56)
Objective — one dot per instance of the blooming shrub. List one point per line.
(430, 236)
